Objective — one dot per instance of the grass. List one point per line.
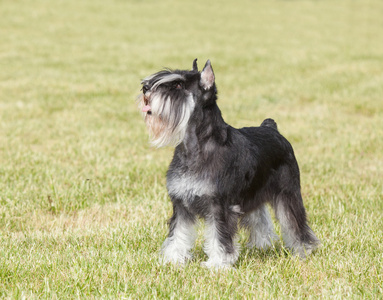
(83, 204)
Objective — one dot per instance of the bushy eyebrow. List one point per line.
(163, 78)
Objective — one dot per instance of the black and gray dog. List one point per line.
(221, 174)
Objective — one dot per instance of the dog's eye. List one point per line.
(145, 88)
(179, 85)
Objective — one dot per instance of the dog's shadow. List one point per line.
(275, 252)
(246, 255)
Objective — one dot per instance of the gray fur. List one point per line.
(221, 174)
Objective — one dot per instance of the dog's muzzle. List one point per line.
(146, 108)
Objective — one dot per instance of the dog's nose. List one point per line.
(145, 88)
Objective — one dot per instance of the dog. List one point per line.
(221, 174)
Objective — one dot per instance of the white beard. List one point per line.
(165, 127)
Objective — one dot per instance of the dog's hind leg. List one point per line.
(181, 237)
(291, 215)
(260, 227)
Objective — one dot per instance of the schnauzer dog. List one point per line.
(221, 174)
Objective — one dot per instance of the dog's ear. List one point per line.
(207, 76)
(195, 67)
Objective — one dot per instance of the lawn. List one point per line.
(83, 203)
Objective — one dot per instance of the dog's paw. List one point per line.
(215, 265)
(174, 257)
(175, 253)
(263, 242)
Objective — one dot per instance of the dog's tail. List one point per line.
(270, 123)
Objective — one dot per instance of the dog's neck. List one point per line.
(206, 129)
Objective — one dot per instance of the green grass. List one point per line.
(83, 203)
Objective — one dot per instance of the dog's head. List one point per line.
(169, 99)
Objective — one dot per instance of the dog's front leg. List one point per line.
(181, 237)
(220, 245)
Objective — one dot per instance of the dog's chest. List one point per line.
(188, 186)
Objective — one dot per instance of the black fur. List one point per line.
(217, 167)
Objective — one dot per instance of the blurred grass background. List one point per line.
(83, 204)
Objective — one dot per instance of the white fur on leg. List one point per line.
(260, 225)
(218, 257)
(291, 239)
(176, 249)
(288, 236)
